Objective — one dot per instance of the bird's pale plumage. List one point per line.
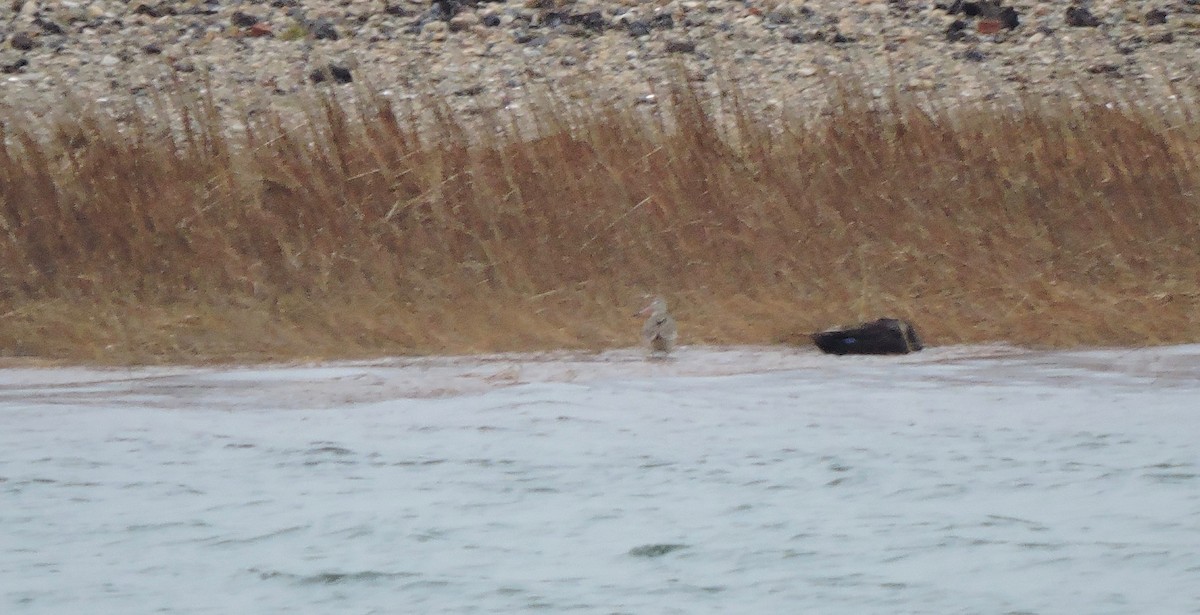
(659, 332)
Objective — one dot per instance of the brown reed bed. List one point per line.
(376, 229)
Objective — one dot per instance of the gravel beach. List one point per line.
(485, 56)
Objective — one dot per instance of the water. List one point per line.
(728, 481)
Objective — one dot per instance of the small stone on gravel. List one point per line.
(243, 20)
(22, 41)
(680, 47)
(1081, 17)
(324, 30)
(331, 72)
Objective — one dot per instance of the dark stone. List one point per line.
(662, 21)
(1156, 17)
(1009, 18)
(446, 9)
(243, 20)
(331, 72)
(324, 30)
(553, 19)
(972, 9)
(591, 20)
(474, 90)
(973, 55)
(1080, 17)
(528, 38)
(680, 47)
(638, 28)
(22, 41)
(951, 8)
(49, 27)
(203, 9)
(152, 49)
(1104, 69)
(395, 10)
(837, 38)
(341, 74)
(956, 31)
(883, 336)
(1162, 38)
(490, 20)
(796, 37)
(901, 6)
(9, 67)
(286, 4)
(149, 10)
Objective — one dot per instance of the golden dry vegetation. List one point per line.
(376, 229)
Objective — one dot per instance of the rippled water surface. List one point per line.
(967, 480)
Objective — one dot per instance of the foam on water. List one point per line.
(963, 480)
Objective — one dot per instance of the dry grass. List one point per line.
(380, 230)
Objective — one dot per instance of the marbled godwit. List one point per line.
(659, 332)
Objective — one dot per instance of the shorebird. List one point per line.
(659, 331)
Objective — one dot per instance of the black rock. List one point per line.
(9, 67)
(22, 41)
(243, 20)
(662, 21)
(973, 55)
(796, 37)
(490, 20)
(883, 336)
(972, 9)
(324, 30)
(152, 49)
(553, 19)
(341, 74)
(49, 27)
(1104, 69)
(202, 9)
(637, 28)
(956, 31)
(528, 38)
(591, 20)
(1156, 17)
(474, 90)
(446, 9)
(952, 8)
(1009, 17)
(149, 10)
(680, 47)
(331, 72)
(1080, 17)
